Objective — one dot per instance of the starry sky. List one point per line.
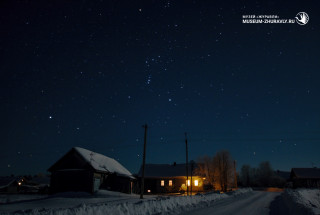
(91, 73)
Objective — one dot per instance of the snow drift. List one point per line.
(302, 201)
(156, 205)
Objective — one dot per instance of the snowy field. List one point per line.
(4, 199)
(106, 202)
(303, 201)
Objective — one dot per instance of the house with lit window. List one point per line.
(170, 178)
(11, 184)
(305, 177)
(87, 171)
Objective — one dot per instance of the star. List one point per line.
(148, 79)
(50, 117)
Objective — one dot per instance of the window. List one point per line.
(162, 183)
(196, 183)
(188, 182)
(170, 183)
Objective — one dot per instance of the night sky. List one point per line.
(91, 73)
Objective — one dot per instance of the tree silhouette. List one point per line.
(218, 170)
(223, 166)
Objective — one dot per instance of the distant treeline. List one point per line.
(262, 176)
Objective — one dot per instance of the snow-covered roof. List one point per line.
(306, 173)
(6, 181)
(166, 170)
(103, 163)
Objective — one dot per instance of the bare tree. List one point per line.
(223, 170)
(205, 169)
(218, 171)
(265, 174)
(245, 175)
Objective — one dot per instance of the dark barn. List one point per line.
(305, 177)
(87, 171)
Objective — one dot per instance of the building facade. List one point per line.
(166, 178)
(305, 177)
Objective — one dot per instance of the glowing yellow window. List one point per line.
(188, 182)
(196, 183)
(162, 183)
(170, 183)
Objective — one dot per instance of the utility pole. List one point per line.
(235, 174)
(191, 162)
(143, 160)
(187, 162)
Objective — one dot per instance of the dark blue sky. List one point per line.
(91, 73)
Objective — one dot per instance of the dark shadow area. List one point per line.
(25, 200)
(278, 207)
(57, 195)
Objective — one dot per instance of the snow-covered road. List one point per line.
(259, 203)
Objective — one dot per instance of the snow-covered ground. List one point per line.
(106, 202)
(258, 203)
(242, 201)
(303, 201)
(10, 198)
